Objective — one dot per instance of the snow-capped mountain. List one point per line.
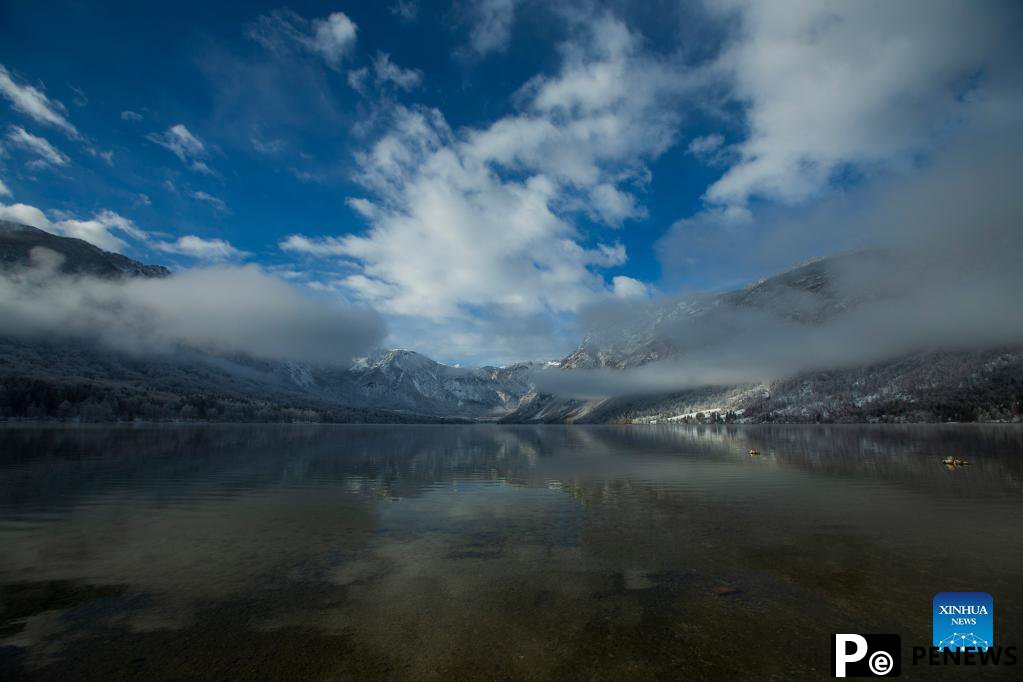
(413, 381)
(52, 377)
(38, 375)
(398, 379)
(923, 386)
(808, 293)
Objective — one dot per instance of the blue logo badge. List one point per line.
(963, 620)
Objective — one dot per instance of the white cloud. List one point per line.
(629, 288)
(265, 146)
(613, 206)
(333, 36)
(80, 99)
(325, 246)
(389, 72)
(941, 272)
(283, 30)
(706, 144)
(202, 249)
(384, 72)
(35, 104)
(45, 151)
(491, 24)
(106, 156)
(304, 175)
(99, 230)
(183, 144)
(133, 116)
(468, 224)
(223, 310)
(4, 189)
(24, 214)
(357, 79)
(217, 203)
(450, 233)
(611, 108)
(363, 207)
(833, 83)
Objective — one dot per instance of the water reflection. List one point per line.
(427, 551)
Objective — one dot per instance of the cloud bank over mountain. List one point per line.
(943, 274)
(220, 310)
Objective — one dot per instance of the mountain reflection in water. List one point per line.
(418, 552)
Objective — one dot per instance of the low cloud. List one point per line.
(221, 310)
(940, 272)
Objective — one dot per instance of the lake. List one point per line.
(461, 552)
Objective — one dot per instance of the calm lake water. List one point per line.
(437, 552)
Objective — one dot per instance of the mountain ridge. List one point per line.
(65, 379)
(79, 256)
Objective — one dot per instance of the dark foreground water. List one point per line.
(295, 552)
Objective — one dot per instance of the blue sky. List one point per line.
(479, 172)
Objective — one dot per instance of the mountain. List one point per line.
(921, 387)
(65, 377)
(409, 382)
(79, 257)
(808, 293)
(962, 385)
(413, 382)
(69, 378)
(75, 379)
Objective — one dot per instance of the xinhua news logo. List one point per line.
(963, 632)
(963, 621)
(866, 655)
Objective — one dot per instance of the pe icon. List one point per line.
(963, 621)
(866, 655)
